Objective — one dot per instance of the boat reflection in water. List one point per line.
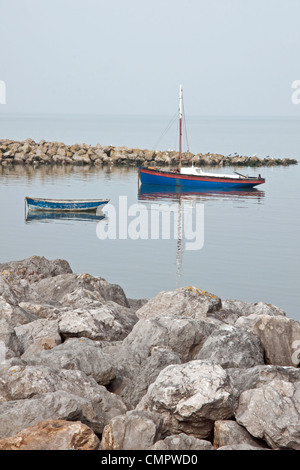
(44, 216)
(185, 198)
(159, 193)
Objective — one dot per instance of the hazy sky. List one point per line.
(233, 57)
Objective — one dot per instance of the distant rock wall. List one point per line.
(30, 152)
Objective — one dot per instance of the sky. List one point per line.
(233, 57)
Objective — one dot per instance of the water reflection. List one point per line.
(43, 216)
(158, 193)
(45, 173)
(186, 200)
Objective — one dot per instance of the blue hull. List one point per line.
(165, 178)
(37, 204)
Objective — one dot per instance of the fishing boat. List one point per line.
(194, 176)
(70, 205)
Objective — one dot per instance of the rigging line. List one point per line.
(185, 130)
(167, 129)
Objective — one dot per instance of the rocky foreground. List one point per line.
(84, 367)
(30, 152)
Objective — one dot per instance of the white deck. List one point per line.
(193, 170)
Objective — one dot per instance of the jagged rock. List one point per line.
(136, 304)
(98, 321)
(136, 430)
(232, 310)
(153, 344)
(258, 376)
(10, 345)
(185, 301)
(53, 435)
(81, 354)
(36, 267)
(190, 397)
(182, 442)
(14, 290)
(53, 290)
(272, 412)
(81, 159)
(38, 311)
(27, 382)
(184, 336)
(240, 447)
(232, 347)
(134, 389)
(230, 433)
(20, 414)
(36, 331)
(279, 336)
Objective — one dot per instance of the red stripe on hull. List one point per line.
(202, 178)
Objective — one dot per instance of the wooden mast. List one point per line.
(180, 125)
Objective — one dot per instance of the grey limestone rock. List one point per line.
(78, 354)
(185, 301)
(135, 430)
(272, 413)
(279, 335)
(232, 347)
(190, 397)
(182, 442)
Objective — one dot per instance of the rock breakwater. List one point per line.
(84, 367)
(29, 152)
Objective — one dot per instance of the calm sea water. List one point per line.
(251, 239)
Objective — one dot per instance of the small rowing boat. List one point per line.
(71, 205)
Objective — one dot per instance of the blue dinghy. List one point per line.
(71, 205)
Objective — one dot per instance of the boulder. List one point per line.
(136, 430)
(14, 290)
(232, 347)
(190, 397)
(79, 354)
(240, 308)
(184, 336)
(27, 382)
(98, 321)
(36, 268)
(153, 344)
(182, 442)
(10, 345)
(81, 159)
(239, 447)
(20, 414)
(272, 413)
(134, 389)
(53, 290)
(258, 376)
(34, 311)
(279, 335)
(230, 433)
(53, 434)
(185, 301)
(40, 331)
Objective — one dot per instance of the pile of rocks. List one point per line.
(84, 367)
(31, 153)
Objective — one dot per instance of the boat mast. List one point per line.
(180, 125)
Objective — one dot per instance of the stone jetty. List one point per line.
(82, 366)
(30, 152)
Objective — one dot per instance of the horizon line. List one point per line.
(84, 114)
